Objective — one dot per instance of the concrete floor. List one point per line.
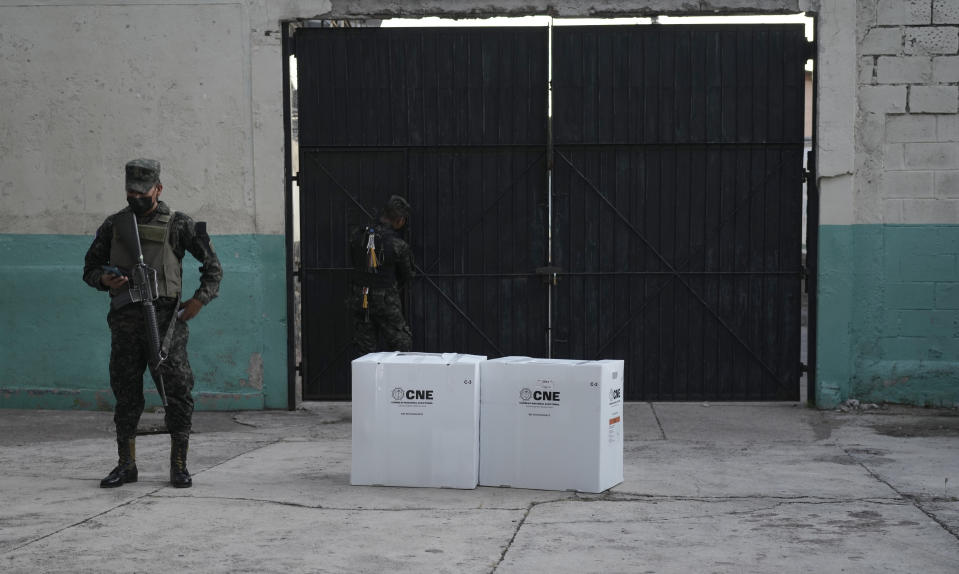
(770, 487)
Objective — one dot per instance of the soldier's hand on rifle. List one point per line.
(113, 281)
(189, 309)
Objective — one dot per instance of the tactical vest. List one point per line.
(385, 274)
(157, 253)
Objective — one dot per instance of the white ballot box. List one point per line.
(551, 424)
(416, 419)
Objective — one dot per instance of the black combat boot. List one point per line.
(179, 475)
(126, 470)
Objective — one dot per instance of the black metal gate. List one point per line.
(676, 205)
(455, 120)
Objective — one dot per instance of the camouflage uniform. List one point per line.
(384, 316)
(129, 350)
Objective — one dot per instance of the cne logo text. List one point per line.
(527, 394)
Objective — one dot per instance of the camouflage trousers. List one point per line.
(385, 319)
(129, 354)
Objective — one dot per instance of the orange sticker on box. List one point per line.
(613, 421)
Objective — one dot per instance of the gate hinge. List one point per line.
(292, 42)
(296, 177)
(806, 176)
(803, 368)
(298, 369)
(803, 272)
(809, 51)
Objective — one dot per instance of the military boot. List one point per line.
(179, 475)
(126, 469)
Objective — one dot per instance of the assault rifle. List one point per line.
(144, 290)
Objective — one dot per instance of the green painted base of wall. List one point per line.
(922, 383)
(888, 317)
(55, 344)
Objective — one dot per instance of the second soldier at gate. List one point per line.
(382, 268)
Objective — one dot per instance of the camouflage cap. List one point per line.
(142, 175)
(398, 206)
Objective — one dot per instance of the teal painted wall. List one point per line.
(888, 314)
(55, 344)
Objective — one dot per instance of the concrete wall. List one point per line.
(88, 85)
(889, 275)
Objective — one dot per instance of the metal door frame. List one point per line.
(288, 178)
(812, 225)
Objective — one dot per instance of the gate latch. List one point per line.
(549, 274)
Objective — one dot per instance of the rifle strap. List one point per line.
(168, 336)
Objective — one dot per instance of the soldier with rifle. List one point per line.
(382, 269)
(137, 256)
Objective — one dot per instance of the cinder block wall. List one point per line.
(891, 273)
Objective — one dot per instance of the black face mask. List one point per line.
(140, 205)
